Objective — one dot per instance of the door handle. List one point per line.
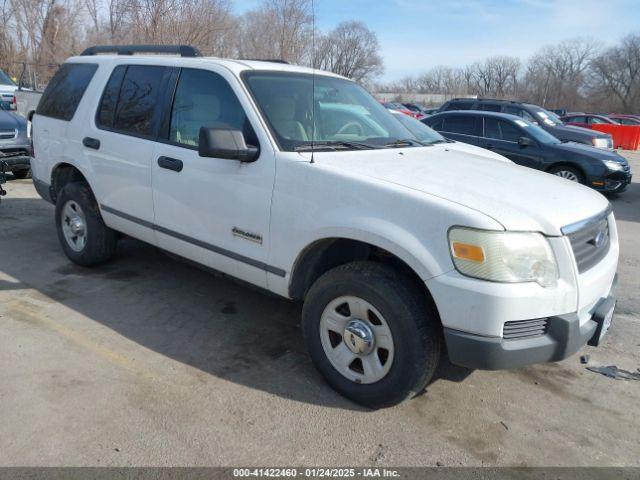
(91, 143)
(170, 163)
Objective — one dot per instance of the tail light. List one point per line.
(14, 103)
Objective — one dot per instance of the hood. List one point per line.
(9, 120)
(569, 132)
(588, 151)
(517, 197)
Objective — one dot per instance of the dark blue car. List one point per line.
(527, 144)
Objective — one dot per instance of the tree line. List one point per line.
(576, 74)
(43, 33)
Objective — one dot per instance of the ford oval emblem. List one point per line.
(599, 239)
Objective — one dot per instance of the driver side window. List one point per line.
(205, 99)
(501, 130)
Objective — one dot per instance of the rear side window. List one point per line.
(462, 124)
(489, 107)
(131, 100)
(65, 90)
(107, 109)
(460, 106)
(520, 112)
(138, 100)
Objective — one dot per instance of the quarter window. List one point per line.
(65, 90)
(205, 99)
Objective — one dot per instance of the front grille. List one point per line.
(590, 242)
(14, 152)
(8, 134)
(524, 329)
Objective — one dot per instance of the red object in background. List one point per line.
(626, 137)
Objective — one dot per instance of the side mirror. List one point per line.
(30, 115)
(525, 142)
(225, 143)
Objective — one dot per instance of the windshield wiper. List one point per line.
(408, 142)
(335, 145)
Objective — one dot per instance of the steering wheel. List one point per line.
(346, 127)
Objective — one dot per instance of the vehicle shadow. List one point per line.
(208, 321)
(626, 205)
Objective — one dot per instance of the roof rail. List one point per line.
(272, 60)
(182, 50)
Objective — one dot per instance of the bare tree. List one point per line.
(616, 75)
(351, 50)
(278, 29)
(556, 75)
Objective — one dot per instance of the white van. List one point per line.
(299, 182)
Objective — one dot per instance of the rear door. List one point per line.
(120, 144)
(501, 136)
(460, 127)
(56, 109)
(214, 211)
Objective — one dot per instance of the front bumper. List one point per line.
(615, 182)
(18, 162)
(564, 336)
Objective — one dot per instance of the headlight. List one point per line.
(602, 143)
(508, 257)
(613, 165)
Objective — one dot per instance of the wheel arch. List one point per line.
(62, 174)
(324, 254)
(565, 163)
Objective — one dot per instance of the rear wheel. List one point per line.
(84, 237)
(372, 333)
(568, 173)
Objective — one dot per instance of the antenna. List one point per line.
(313, 76)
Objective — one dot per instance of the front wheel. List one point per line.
(84, 237)
(372, 333)
(568, 173)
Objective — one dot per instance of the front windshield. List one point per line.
(538, 133)
(419, 129)
(5, 80)
(547, 117)
(346, 116)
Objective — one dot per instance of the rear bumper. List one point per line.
(564, 337)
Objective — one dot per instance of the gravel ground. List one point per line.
(149, 361)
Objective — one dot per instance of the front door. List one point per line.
(211, 210)
(502, 137)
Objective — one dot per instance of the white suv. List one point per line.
(301, 183)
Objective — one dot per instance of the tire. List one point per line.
(570, 173)
(405, 311)
(99, 241)
(21, 174)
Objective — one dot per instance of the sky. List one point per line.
(416, 35)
